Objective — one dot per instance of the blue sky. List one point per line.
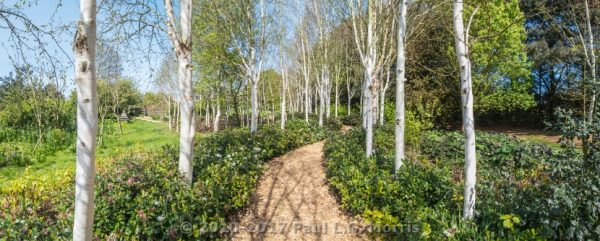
(137, 65)
(41, 13)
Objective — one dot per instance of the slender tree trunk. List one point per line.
(381, 108)
(87, 121)
(337, 97)
(400, 78)
(217, 116)
(264, 103)
(116, 102)
(207, 114)
(322, 97)
(349, 95)
(177, 117)
(305, 71)
(183, 47)
(370, 85)
(375, 97)
(306, 99)
(363, 110)
(119, 121)
(254, 94)
(283, 91)
(327, 94)
(187, 130)
(461, 46)
(369, 119)
(101, 132)
(592, 63)
(170, 117)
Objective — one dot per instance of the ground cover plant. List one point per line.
(138, 135)
(142, 196)
(526, 191)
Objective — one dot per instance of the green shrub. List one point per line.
(368, 187)
(428, 190)
(25, 147)
(12, 154)
(333, 124)
(354, 119)
(142, 197)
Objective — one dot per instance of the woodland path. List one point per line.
(293, 202)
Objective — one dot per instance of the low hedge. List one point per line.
(142, 197)
(521, 188)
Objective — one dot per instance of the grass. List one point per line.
(138, 136)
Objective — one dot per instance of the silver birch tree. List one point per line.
(87, 121)
(376, 36)
(461, 39)
(182, 42)
(591, 60)
(400, 79)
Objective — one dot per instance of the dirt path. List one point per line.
(293, 202)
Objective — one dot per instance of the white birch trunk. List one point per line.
(591, 62)
(369, 120)
(207, 114)
(322, 99)
(363, 110)
(381, 106)
(170, 119)
(283, 92)
(217, 116)
(306, 79)
(400, 78)
(350, 94)
(370, 87)
(327, 94)
(254, 103)
(337, 97)
(462, 54)
(183, 48)
(87, 121)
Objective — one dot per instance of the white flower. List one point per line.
(160, 218)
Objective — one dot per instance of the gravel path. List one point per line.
(293, 202)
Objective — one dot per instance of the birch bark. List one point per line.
(400, 78)
(591, 62)
(462, 54)
(183, 49)
(87, 121)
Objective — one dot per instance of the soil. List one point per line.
(294, 202)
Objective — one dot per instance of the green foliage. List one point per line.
(36, 119)
(142, 196)
(414, 123)
(522, 188)
(19, 148)
(116, 96)
(499, 56)
(13, 156)
(28, 103)
(46, 159)
(353, 119)
(368, 186)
